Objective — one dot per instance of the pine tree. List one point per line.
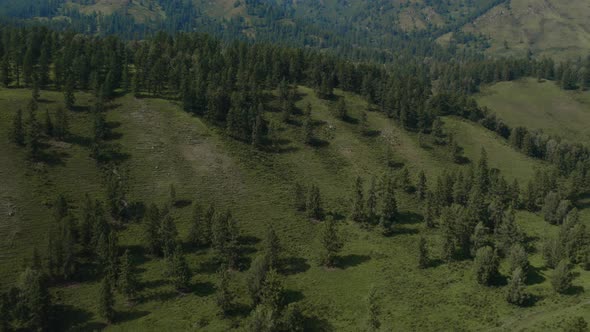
(34, 301)
(127, 279)
(314, 204)
(358, 213)
(272, 247)
(388, 207)
(423, 258)
(256, 276)
(483, 173)
(518, 259)
(172, 196)
(68, 91)
(404, 180)
(151, 231)
(225, 296)
(48, 124)
(62, 125)
(179, 270)
(421, 186)
(299, 197)
(197, 227)
(308, 138)
(341, 112)
(372, 200)
(373, 323)
(486, 265)
(331, 243)
(562, 277)
(516, 293)
(258, 132)
(17, 132)
(272, 291)
(106, 301)
(33, 133)
(167, 234)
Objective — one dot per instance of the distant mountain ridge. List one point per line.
(498, 27)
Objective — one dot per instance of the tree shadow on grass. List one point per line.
(125, 316)
(316, 324)
(371, 133)
(159, 296)
(410, 218)
(534, 275)
(70, 318)
(353, 260)
(208, 267)
(319, 143)
(79, 140)
(574, 290)
(292, 296)
(203, 288)
(182, 203)
(52, 158)
(294, 265)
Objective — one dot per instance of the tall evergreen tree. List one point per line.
(127, 279)
(562, 277)
(423, 258)
(373, 322)
(17, 131)
(516, 293)
(62, 124)
(106, 301)
(179, 270)
(314, 204)
(331, 243)
(486, 265)
(388, 207)
(358, 202)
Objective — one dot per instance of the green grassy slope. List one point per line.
(540, 106)
(556, 28)
(167, 146)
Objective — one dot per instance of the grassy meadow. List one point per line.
(163, 145)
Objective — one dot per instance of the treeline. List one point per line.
(226, 83)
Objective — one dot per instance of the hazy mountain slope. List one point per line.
(558, 28)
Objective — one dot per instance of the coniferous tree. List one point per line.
(331, 243)
(373, 322)
(486, 265)
(562, 277)
(518, 259)
(127, 279)
(197, 227)
(179, 270)
(225, 295)
(256, 276)
(550, 205)
(423, 257)
(62, 125)
(308, 138)
(34, 301)
(314, 204)
(172, 196)
(341, 111)
(258, 132)
(372, 200)
(516, 293)
(48, 125)
(421, 186)
(388, 207)
(33, 133)
(358, 202)
(299, 197)
(151, 231)
(17, 132)
(576, 324)
(68, 91)
(106, 301)
(272, 247)
(167, 234)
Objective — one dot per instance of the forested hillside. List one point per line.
(376, 30)
(183, 182)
